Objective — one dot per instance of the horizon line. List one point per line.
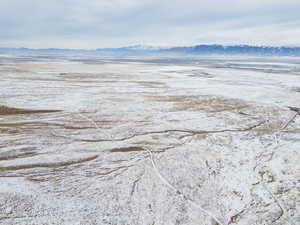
(153, 46)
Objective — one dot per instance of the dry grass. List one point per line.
(5, 110)
(88, 76)
(276, 118)
(47, 164)
(127, 149)
(10, 156)
(151, 84)
(200, 103)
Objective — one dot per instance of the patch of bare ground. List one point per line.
(41, 125)
(37, 79)
(127, 149)
(151, 84)
(29, 67)
(183, 131)
(200, 103)
(47, 164)
(88, 75)
(277, 119)
(9, 155)
(5, 110)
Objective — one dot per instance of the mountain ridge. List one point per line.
(203, 49)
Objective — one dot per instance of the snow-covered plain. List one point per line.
(149, 141)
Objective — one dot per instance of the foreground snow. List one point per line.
(150, 142)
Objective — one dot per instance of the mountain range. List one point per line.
(154, 50)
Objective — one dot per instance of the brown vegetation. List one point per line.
(5, 110)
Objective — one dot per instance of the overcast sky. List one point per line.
(115, 23)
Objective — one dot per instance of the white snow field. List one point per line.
(132, 141)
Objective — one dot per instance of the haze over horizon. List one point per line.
(117, 23)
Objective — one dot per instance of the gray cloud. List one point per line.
(113, 23)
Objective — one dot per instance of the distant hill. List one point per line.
(237, 50)
(154, 50)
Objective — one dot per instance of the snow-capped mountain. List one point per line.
(189, 50)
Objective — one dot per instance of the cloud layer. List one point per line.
(114, 23)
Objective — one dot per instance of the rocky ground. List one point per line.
(89, 140)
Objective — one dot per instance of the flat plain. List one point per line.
(149, 141)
